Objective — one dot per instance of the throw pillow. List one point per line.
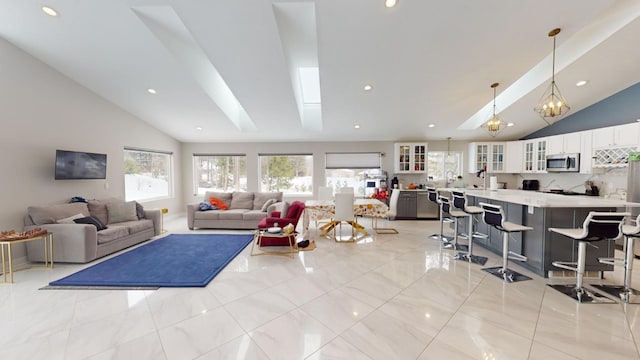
(267, 204)
(91, 220)
(69, 220)
(218, 203)
(204, 206)
(121, 211)
(284, 210)
(98, 208)
(139, 211)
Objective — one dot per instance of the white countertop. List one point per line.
(539, 199)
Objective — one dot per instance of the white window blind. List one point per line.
(359, 160)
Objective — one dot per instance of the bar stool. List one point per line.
(433, 196)
(460, 202)
(597, 226)
(493, 215)
(454, 215)
(624, 292)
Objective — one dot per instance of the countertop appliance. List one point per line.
(563, 162)
(530, 185)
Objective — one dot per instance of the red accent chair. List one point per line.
(293, 215)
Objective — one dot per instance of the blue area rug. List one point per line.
(177, 260)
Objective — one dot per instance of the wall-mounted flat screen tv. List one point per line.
(80, 165)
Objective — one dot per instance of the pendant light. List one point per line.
(495, 124)
(552, 106)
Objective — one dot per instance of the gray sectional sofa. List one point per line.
(81, 242)
(245, 210)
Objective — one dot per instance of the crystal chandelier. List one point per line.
(495, 124)
(552, 106)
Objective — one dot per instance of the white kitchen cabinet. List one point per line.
(410, 158)
(619, 135)
(489, 154)
(586, 149)
(535, 155)
(564, 143)
(513, 161)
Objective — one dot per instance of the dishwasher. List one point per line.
(427, 209)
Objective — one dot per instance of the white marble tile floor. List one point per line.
(384, 297)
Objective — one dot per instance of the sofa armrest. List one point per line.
(155, 215)
(191, 209)
(71, 243)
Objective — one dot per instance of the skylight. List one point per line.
(310, 84)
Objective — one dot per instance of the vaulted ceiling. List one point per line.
(228, 70)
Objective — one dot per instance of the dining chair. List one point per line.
(344, 213)
(391, 214)
(346, 189)
(325, 193)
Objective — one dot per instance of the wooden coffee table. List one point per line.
(287, 239)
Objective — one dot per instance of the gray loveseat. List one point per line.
(80, 243)
(245, 210)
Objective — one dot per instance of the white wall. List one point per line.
(41, 111)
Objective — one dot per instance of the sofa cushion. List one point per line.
(260, 198)
(114, 232)
(242, 200)
(91, 220)
(121, 211)
(256, 215)
(49, 214)
(284, 210)
(207, 215)
(231, 214)
(137, 226)
(98, 208)
(224, 196)
(266, 205)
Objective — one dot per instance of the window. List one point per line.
(359, 170)
(219, 173)
(291, 174)
(147, 174)
(444, 166)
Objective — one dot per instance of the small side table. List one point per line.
(162, 212)
(6, 244)
(273, 239)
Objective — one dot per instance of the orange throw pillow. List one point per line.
(218, 203)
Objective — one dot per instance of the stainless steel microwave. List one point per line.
(563, 163)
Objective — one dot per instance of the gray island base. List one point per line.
(542, 211)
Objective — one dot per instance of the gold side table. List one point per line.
(5, 253)
(162, 212)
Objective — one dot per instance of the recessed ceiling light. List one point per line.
(49, 10)
(431, 125)
(199, 128)
(368, 87)
(390, 3)
(582, 83)
(151, 91)
(510, 124)
(356, 126)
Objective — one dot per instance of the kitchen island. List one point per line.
(542, 211)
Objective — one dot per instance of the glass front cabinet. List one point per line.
(410, 158)
(487, 156)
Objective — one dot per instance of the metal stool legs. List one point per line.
(625, 293)
(440, 236)
(578, 291)
(453, 245)
(468, 256)
(503, 271)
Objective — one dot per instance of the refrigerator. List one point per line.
(633, 189)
